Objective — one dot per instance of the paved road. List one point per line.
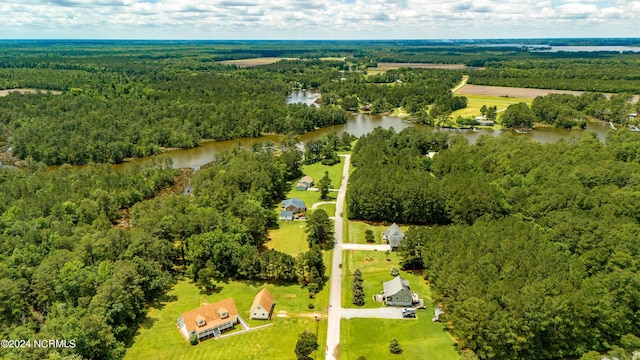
(335, 290)
(379, 313)
(370, 247)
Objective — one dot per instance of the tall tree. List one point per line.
(324, 184)
(307, 344)
(319, 229)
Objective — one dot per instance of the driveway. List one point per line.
(370, 247)
(378, 313)
(315, 205)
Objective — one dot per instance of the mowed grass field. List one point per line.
(254, 61)
(375, 269)
(159, 338)
(475, 103)
(289, 238)
(419, 339)
(356, 231)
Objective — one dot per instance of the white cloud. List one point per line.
(314, 19)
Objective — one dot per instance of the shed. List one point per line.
(286, 215)
(263, 305)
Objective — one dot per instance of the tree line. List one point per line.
(533, 252)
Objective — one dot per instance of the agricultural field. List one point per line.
(476, 101)
(254, 61)
(390, 66)
(159, 338)
(28, 91)
(420, 338)
(510, 92)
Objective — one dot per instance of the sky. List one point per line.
(317, 19)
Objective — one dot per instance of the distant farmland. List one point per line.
(27, 91)
(254, 61)
(389, 66)
(514, 92)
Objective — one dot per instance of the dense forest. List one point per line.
(71, 267)
(108, 101)
(530, 247)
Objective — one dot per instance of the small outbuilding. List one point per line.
(393, 235)
(307, 180)
(263, 305)
(302, 186)
(286, 215)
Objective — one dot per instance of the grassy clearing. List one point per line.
(254, 61)
(475, 102)
(316, 171)
(375, 269)
(289, 238)
(329, 58)
(356, 231)
(29, 91)
(329, 208)
(419, 339)
(159, 337)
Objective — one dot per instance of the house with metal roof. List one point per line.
(393, 235)
(397, 292)
(295, 205)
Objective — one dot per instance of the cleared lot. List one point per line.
(515, 92)
(254, 61)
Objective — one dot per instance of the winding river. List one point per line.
(357, 124)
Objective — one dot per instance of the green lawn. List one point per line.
(329, 208)
(419, 339)
(159, 337)
(289, 238)
(475, 102)
(356, 231)
(316, 171)
(375, 269)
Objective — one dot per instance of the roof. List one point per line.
(286, 213)
(295, 202)
(264, 298)
(303, 184)
(394, 286)
(394, 235)
(394, 228)
(211, 314)
(307, 179)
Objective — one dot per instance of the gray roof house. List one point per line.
(393, 235)
(295, 205)
(397, 292)
(301, 186)
(286, 215)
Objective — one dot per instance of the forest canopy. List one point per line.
(530, 247)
